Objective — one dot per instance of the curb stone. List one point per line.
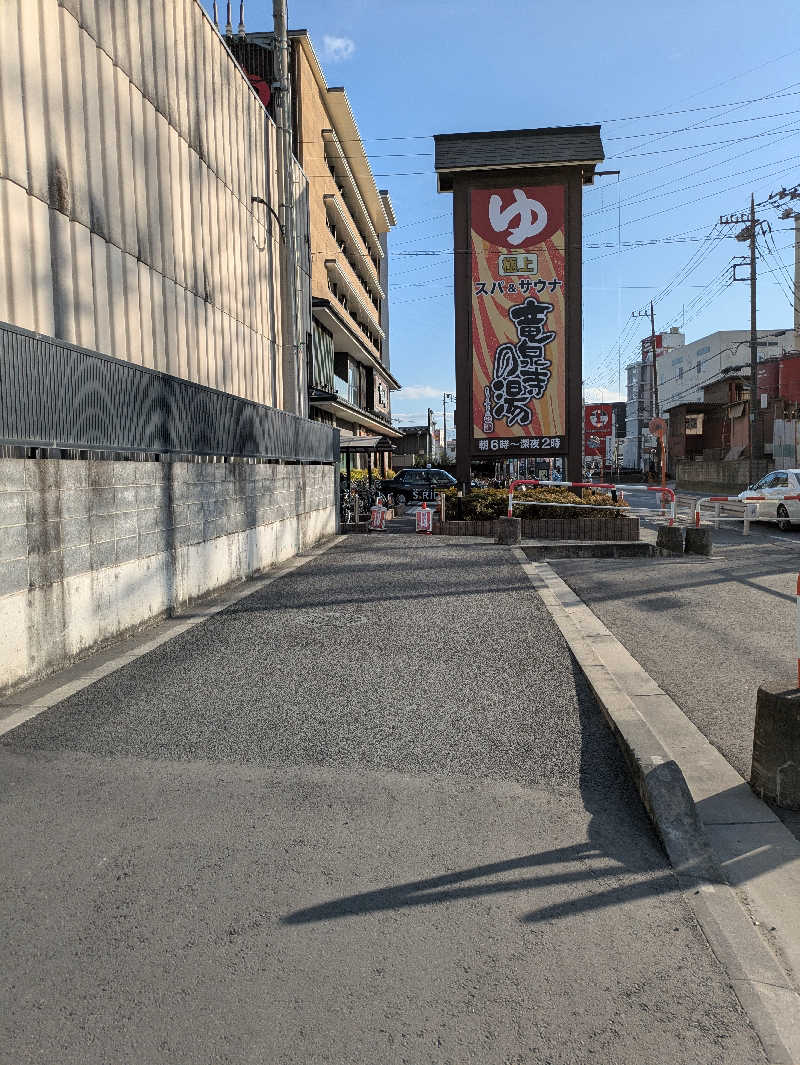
(762, 984)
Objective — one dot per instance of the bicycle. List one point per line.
(346, 507)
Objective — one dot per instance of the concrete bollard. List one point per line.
(509, 530)
(775, 774)
(698, 540)
(670, 538)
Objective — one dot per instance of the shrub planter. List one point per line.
(465, 528)
(621, 528)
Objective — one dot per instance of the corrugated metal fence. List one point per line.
(56, 395)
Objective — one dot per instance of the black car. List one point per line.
(416, 484)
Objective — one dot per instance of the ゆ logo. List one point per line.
(531, 214)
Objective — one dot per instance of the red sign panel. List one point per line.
(597, 423)
(518, 319)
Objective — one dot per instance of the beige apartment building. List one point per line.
(348, 367)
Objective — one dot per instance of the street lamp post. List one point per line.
(445, 397)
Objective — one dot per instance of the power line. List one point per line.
(743, 73)
(783, 135)
(622, 155)
(657, 135)
(681, 276)
(707, 144)
(641, 198)
(677, 206)
(776, 95)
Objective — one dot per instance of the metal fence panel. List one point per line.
(56, 395)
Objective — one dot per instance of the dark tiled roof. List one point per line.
(556, 146)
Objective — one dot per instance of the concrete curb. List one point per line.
(30, 701)
(713, 828)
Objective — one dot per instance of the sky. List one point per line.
(699, 106)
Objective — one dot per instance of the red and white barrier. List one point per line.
(424, 519)
(748, 512)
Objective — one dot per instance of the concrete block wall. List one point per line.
(90, 550)
(718, 477)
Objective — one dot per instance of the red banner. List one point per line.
(518, 318)
(597, 423)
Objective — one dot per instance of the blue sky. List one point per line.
(731, 70)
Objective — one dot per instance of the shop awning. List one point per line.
(366, 445)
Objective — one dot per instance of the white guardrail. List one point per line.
(749, 508)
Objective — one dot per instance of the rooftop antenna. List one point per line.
(242, 31)
(216, 15)
(228, 26)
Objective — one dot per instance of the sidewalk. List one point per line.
(369, 813)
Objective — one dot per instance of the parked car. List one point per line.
(418, 484)
(774, 486)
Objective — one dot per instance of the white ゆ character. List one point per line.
(532, 216)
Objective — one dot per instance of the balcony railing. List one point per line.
(346, 183)
(338, 219)
(353, 300)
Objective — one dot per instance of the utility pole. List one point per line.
(755, 436)
(749, 233)
(291, 371)
(644, 314)
(653, 347)
(445, 397)
(786, 212)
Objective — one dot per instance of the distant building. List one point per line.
(687, 368)
(417, 443)
(639, 410)
(714, 427)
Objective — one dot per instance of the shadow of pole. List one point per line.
(620, 846)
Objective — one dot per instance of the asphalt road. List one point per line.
(368, 814)
(709, 631)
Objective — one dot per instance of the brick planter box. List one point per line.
(550, 528)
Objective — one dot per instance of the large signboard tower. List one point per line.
(517, 240)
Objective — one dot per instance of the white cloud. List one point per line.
(416, 392)
(601, 395)
(337, 49)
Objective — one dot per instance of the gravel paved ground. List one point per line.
(369, 813)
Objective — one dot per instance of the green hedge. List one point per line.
(483, 503)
